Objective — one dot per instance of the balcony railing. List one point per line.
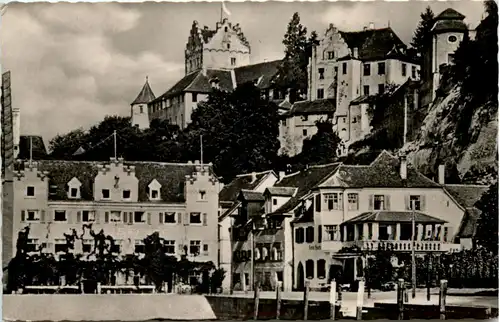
(401, 245)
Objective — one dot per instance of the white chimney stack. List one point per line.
(372, 25)
(254, 176)
(441, 174)
(355, 52)
(281, 175)
(403, 171)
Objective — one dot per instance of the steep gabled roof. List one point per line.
(320, 106)
(243, 181)
(372, 44)
(261, 74)
(171, 176)
(384, 172)
(145, 96)
(250, 195)
(199, 82)
(468, 225)
(281, 191)
(466, 195)
(304, 181)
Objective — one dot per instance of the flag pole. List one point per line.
(31, 149)
(114, 136)
(221, 5)
(201, 149)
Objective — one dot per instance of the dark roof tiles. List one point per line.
(145, 96)
(281, 191)
(372, 44)
(250, 195)
(246, 181)
(261, 73)
(450, 14)
(384, 172)
(320, 106)
(171, 176)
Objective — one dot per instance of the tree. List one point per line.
(321, 148)
(292, 72)
(487, 225)
(422, 36)
(240, 132)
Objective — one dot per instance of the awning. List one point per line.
(394, 217)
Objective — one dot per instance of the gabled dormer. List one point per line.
(74, 188)
(116, 182)
(154, 190)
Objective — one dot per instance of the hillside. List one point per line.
(474, 159)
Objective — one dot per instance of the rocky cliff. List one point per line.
(472, 159)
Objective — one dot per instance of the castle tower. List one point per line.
(223, 48)
(139, 107)
(447, 33)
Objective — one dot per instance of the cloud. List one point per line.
(66, 73)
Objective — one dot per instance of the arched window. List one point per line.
(321, 268)
(309, 269)
(309, 234)
(257, 254)
(299, 235)
(274, 254)
(265, 253)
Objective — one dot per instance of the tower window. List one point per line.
(381, 68)
(452, 39)
(228, 46)
(344, 68)
(195, 97)
(225, 29)
(366, 69)
(331, 55)
(403, 71)
(233, 61)
(321, 72)
(321, 93)
(304, 132)
(141, 109)
(381, 88)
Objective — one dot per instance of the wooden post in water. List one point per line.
(359, 300)
(333, 299)
(428, 277)
(306, 300)
(278, 299)
(400, 292)
(442, 299)
(256, 301)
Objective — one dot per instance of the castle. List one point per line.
(345, 71)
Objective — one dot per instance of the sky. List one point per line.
(74, 63)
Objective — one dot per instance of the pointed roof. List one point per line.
(146, 95)
(450, 14)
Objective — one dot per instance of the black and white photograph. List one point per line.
(273, 160)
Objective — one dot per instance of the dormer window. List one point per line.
(154, 190)
(74, 188)
(126, 194)
(30, 191)
(105, 193)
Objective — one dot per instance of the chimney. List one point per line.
(355, 52)
(372, 26)
(441, 173)
(254, 177)
(403, 171)
(281, 175)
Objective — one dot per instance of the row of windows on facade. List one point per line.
(385, 232)
(88, 216)
(320, 269)
(367, 70)
(263, 252)
(195, 248)
(74, 193)
(334, 201)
